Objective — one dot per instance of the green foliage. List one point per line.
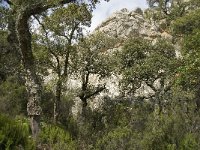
(169, 10)
(116, 112)
(141, 61)
(47, 102)
(187, 24)
(54, 137)
(14, 134)
(169, 132)
(8, 53)
(139, 11)
(92, 55)
(13, 97)
(64, 21)
(100, 125)
(66, 117)
(3, 39)
(64, 25)
(170, 128)
(166, 120)
(189, 142)
(115, 139)
(189, 71)
(93, 60)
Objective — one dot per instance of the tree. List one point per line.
(187, 29)
(7, 67)
(168, 6)
(138, 10)
(143, 63)
(58, 35)
(163, 4)
(21, 12)
(166, 11)
(13, 95)
(93, 62)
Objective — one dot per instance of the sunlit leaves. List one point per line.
(93, 55)
(190, 69)
(63, 21)
(142, 61)
(187, 24)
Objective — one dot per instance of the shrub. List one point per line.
(189, 142)
(117, 139)
(138, 11)
(14, 134)
(56, 138)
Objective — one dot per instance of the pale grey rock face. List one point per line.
(125, 24)
(144, 91)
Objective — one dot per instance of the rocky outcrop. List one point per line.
(127, 24)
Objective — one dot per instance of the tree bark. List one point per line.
(197, 99)
(33, 83)
(33, 106)
(57, 101)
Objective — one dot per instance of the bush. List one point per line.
(138, 11)
(189, 142)
(117, 139)
(56, 138)
(13, 97)
(14, 134)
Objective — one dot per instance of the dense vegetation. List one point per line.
(47, 64)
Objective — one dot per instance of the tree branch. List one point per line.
(97, 91)
(48, 45)
(68, 50)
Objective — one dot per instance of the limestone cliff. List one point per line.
(126, 24)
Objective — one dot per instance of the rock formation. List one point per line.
(127, 24)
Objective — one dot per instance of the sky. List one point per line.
(105, 9)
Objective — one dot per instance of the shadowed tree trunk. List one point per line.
(33, 83)
(197, 100)
(87, 93)
(57, 101)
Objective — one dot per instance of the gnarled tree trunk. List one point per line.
(33, 83)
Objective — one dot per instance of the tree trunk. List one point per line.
(33, 82)
(33, 106)
(57, 101)
(35, 127)
(197, 100)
